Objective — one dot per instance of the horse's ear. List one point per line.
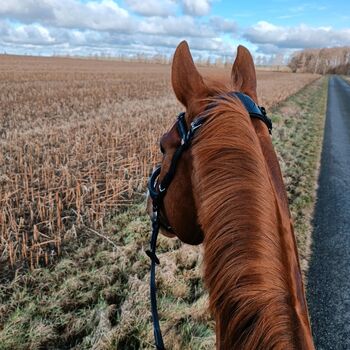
(187, 83)
(243, 73)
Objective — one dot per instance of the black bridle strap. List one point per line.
(153, 289)
(253, 109)
(163, 186)
(186, 138)
(157, 198)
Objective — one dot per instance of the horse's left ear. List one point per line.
(243, 73)
(187, 83)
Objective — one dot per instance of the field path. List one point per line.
(329, 272)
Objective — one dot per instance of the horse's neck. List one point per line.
(251, 263)
(287, 231)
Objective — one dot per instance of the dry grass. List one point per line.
(78, 139)
(83, 135)
(278, 68)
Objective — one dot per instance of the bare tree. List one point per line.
(322, 61)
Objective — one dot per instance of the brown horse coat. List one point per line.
(228, 192)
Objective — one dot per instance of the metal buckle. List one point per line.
(152, 183)
(160, 188)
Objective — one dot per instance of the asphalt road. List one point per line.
(329, 273)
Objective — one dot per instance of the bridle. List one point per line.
(157, 191)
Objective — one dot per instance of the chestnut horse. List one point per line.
(228, 192)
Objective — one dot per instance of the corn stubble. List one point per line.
(78, 139)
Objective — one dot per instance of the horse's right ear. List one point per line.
(243, 73)
(187, 83)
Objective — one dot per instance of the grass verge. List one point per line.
(299, 124)
(96, 296)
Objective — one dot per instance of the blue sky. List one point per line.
(212, 27)
(284, 12)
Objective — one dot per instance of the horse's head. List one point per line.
(241, 150)
(177, 211)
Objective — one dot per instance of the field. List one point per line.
(78, 140)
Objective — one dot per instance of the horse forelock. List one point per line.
(244, 264)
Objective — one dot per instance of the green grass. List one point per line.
(96, 296)
(299, 124)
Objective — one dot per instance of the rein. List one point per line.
(157, 191)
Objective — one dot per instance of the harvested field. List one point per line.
(95, 295)
(78, 139)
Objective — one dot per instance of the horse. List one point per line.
(224, 188)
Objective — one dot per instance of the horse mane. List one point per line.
(245, 264)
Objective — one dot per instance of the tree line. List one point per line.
(322, 61)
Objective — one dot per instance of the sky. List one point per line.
(213, 28)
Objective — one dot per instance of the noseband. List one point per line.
(157, 191)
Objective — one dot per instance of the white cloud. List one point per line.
(223, 25)
(196, 7)
(37, 39)
(26, 10)
(106, 15)
(103, 15)
(184, 26)
(33, 34)
(268, 49)
(299, 37)
(104, 26)
(153, 7)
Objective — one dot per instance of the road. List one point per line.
(329, 273)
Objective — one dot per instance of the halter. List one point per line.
(157, 191)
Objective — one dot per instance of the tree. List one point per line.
(321, 61)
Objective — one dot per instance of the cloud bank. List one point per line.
(270, 38)
(147, 27)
